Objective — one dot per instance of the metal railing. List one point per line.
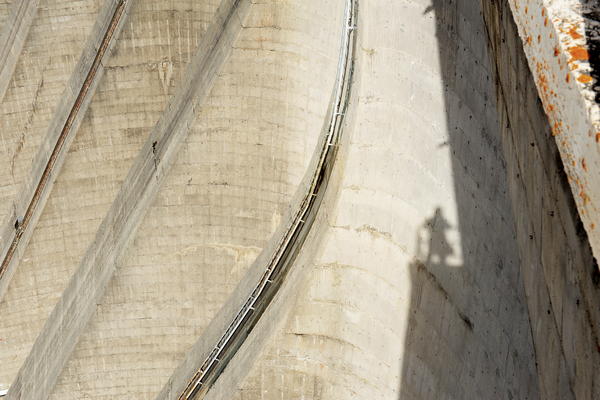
(293, 238)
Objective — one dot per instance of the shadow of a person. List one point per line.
(438, 249)
(428, 323)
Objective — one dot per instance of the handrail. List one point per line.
(296, 233)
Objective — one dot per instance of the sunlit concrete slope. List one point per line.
(245, 155)
(140, 76)
(414, 290)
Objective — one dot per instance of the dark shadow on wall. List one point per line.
(468, 334)
(425, 339)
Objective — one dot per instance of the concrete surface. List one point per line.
(52, 348)
(29, 203)
(447, 259)
(559, 272)
(12, 37)
(564, 63)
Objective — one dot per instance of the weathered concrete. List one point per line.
(49, 57)
(41, 369)
(559, 273)
(247, 150)
(12, 37)
(248, 304)
(18, 228)
(555, 41)
(128, 103)
(447, 259)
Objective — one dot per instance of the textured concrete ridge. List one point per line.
(12, 37)
(37, 376)
(18, 228)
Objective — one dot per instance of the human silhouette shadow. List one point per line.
(426, 331)
(468, 335)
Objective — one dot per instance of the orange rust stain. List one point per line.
(584, 165)
(584, 78)
(598, 137)
(584, 197)
(543, 12)
(546, 21)
(579, 53)
(556, 51)
(593, 226)
(568, 78)
(556, 128)
(526, 9)
(539, 38)
(574, 34)
(528, 40)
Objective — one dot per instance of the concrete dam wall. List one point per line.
(280, 199)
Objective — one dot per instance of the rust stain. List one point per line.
(568, 78)
(574, 34)
(539, 38)
(593, 226)
(528, 40)
(584, 165)
(583, 78)
(598, 137)
(584, 197)
(579, 53)
(546, 21)
(556, 128)
(556, 51)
